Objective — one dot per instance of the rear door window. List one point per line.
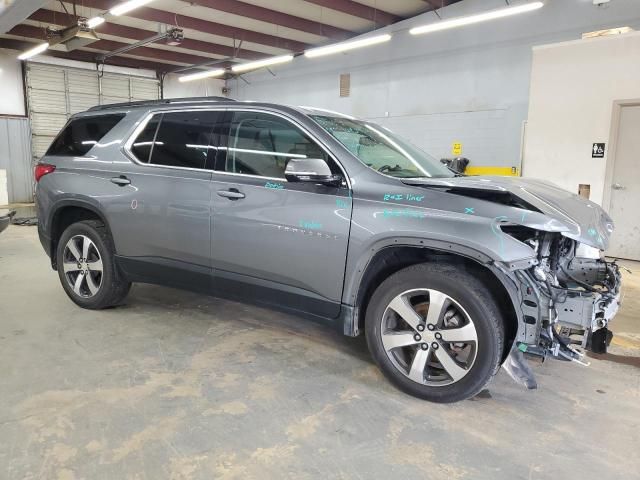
(81, 134)
(183, 139)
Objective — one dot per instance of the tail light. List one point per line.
(43, 169)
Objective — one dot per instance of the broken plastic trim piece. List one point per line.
(518, 368)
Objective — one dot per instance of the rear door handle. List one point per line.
(232, 194)
(121, 181)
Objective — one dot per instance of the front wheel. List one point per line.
(86, 266)
(435, 331)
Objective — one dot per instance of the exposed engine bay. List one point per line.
(569, 298)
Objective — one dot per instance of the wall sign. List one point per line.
(597, 151)
(457, 148)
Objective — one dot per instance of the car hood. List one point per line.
(584, 221)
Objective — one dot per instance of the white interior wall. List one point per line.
(11, 86)
(469, 84)
(573, 88)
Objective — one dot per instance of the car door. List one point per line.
(162, 226)
(274, 241)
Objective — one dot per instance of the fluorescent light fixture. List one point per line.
(202, 75)
(34, 51)
(95, 21)
(126, 7)
(345, 46)
(243, 67)
(481, 17)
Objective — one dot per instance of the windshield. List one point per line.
(378, 148)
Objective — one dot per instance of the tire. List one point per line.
(467, 306)
(80, 278)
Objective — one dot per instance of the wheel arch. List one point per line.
(67, 212)
(390, 258)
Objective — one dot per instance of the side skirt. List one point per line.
(232, 286)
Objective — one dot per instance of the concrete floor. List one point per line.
(181, 386)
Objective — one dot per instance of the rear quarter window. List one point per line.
(81, 134)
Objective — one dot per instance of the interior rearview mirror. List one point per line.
(314, 170)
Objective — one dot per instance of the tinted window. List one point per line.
(141, 148)
(81, 134)
(262, 144)
(183, 139)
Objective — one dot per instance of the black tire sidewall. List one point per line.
(472, 296)
(105, 293)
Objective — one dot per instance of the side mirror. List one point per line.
(314, 170)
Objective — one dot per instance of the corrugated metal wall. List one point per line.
(15, 158)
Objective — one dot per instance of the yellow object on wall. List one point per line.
(456, 149)
(503, 171)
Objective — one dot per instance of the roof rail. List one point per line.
(166, 101)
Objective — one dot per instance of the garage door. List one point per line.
(54, 93)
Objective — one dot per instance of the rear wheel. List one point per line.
(86, 266)
(435, 331)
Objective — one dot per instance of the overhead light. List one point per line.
(34, 51)
(202, 75)
(481, 17)
(243, 67)
(126, 7)
(94, 22)
(344, 46)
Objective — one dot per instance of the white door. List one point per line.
(625, 187)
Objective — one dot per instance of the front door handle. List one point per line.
(232, 194)
(121, 181)
(617, 186)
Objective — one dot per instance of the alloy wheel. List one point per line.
(429, 337)
(82, 265)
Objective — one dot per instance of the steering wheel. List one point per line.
(384, 168)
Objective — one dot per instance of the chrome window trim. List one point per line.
(143, 123)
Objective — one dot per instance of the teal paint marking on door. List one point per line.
(310, 225)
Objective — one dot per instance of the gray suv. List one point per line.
(335, 219)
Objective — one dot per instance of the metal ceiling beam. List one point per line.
(204, 26)
(84, 56)
(379, 17)
(17, 12)
(276, 18)
(52, 17)
(109, 46)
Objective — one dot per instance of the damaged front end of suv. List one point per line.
(569, 291)
(552, 245)
(568, 299)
